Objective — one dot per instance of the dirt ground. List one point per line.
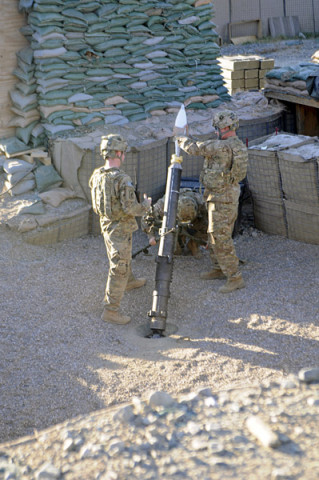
(59, 360)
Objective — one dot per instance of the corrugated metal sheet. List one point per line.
(305, 12)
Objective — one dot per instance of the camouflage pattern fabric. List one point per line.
(225, 165)
(191, 217)
(117, 225)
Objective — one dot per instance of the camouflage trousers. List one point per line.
(119, 252)
(221, 221)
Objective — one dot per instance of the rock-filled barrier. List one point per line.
(106, 62)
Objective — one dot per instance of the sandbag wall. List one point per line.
(300, 80)
(283, 180)
(112, 62)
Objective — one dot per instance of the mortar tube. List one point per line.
(164, 259)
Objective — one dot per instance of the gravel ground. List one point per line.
(260, 432)
(284, 52)
(60, 361)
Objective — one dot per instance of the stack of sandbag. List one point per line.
(297, 80)
(19, 176)
(24, 100)
(26, 170)
(22, 177)
(112, 62)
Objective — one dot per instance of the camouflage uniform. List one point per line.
(225, 165)
(191, 217)
(115, 202)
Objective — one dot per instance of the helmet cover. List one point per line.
(187, 209)
(112, 143)
(226, 118)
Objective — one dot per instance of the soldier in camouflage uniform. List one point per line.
(191, 219)
(225, 165)
(114, 200)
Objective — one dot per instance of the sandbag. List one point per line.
(56, 196)
(35, 208)
(47, 178)
(22, 187)
(16, 165)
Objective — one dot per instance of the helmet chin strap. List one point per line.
(228, 133)
(115, 161)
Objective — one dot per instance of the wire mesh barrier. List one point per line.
(147, 164)
(60, 228)
(284, 183)
(303, 222)
(260, 127)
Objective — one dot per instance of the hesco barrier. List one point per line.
(259, 127)
(146, 164)
(303, 222)
(284, 183)
(72, 225)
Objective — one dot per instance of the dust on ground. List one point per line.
(59, 360)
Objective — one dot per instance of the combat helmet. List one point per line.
(187, 208)
(112, 143)
(226, 118)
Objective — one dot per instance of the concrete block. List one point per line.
(232, 75)
(240, 83)
(251, 83)
(239, 62)
(267, 63)
(253, 73)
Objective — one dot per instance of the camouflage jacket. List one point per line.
(151, 222)
(114, 199)
(225, 165)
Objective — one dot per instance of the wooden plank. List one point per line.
(288, 97)
(244, 22)
(307, 120)
(24, 152)
(241, 40)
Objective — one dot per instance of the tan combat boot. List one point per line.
(233, 283)
(113, 316)
(215, 273)
(135, 283)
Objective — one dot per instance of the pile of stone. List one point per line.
(244, 72)
(106, 62)
(261, 431)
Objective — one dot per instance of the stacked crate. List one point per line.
(244, 72)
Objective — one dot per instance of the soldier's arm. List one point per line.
(128, 200)
(239, 167)
(194, 147)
